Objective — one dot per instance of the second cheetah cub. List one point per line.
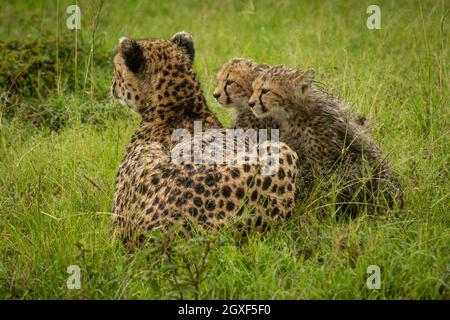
(324, 134)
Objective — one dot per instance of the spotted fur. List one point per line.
(155, 79)
(324, 134)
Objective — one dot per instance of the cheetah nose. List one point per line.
(251, 104)
(216, 95)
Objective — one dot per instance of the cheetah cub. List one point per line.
(324, 135)
(234, 88)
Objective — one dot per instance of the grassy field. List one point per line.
(61, 141)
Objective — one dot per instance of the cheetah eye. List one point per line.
(264, 91)
(229, 82)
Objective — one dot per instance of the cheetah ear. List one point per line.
(260, 67)
(184, 40)
(309, 75)
(305, 80)
(132, 53)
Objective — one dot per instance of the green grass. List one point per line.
(56, 186)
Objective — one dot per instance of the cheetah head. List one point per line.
(148, 71)
(234, 82)
(278, 89)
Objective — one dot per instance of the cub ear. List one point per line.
(132, 53)
(309, 75)
(260, 67)
(305, 79)
(184, 40)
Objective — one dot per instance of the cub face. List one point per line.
(234, 82)
(276, 90)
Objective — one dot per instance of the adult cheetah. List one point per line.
(327, 140)
(155, 78)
